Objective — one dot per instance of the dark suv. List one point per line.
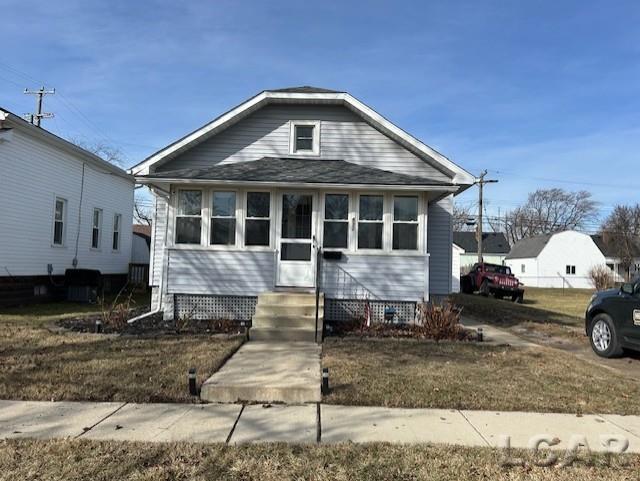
(612, 321)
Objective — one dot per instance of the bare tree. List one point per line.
(550, 210)
(141, 213)
(461, 216)
(621, 232)
(113, 155)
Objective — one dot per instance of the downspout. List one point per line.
(165, 256)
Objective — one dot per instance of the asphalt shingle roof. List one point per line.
(529, 247)
(298, 171)
(608, 248)
(492, 242)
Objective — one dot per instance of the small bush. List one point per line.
(116, 314)
(601, 277)
(438, 321)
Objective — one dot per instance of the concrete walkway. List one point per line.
(285, 372)
(495, 336)
(309, 423)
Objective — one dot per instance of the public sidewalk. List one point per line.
(310, 423)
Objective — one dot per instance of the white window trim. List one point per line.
(65, 203)
(100, 223)
(411, 222)
(316, 137)
(119, 231)
(384, 221)
(271, 219)
(210, 217)
(348, 221)
(204, 212)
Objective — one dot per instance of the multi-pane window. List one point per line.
(59, 221)
(257, 224)
(96, 228)
(370, 221)
(336, 221)
(304, 137)
(223, 218)
(115, 243)
(405, 222)
(189, 217)
(571, 270)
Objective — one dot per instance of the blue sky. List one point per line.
(540, 93)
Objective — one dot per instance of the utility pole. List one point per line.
(481, 181)
(39, 115)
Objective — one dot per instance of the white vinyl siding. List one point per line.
(27, 195)
(240, 273)
(344, 135)
(398, 278)
(158, 238)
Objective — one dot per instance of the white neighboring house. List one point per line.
(495, 248)
(456, 265)
(613, 260)
(62, 207)
(245, 204)
(556, 260)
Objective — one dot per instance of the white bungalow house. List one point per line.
(495, 247)
(295, 190)
(561, 260)
(62, 208)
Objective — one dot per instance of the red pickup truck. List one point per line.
(493, 279)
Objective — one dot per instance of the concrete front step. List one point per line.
(287, 310)
(285, 321)
(290, 334)
(289, 298)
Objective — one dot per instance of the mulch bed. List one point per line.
(152, 325)
(389, 330)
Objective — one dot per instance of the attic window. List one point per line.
(305, 138)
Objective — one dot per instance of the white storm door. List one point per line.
(296, 250)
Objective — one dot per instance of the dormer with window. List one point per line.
(304, 137)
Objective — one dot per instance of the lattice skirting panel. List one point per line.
(348, 309)
(204, 307)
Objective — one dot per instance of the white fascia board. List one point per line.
(293, 185)
(460, 176)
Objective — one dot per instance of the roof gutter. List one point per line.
(314, 185)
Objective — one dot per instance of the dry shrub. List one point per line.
(438, 321)
(116, 314)
(601, 277)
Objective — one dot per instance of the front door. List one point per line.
(296, 239)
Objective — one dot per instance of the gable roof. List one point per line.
(492, 242)
(9, 120)
(295, 171)
(608, 248)
(529, 247)
(307, 95)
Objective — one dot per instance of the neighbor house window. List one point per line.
(257, 225)
(370, 221)
(305, 137)
(523, 268)
(115, 244)
(405, 222)
(96, 228)
(189, 217)
(223, 218)
(59, 219)
(336, 221)
(571, 270)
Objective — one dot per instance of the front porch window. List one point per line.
(370, 221)
(223, 218)
(258, 219)
(189, 217)
(405, 222)
(336, 221)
